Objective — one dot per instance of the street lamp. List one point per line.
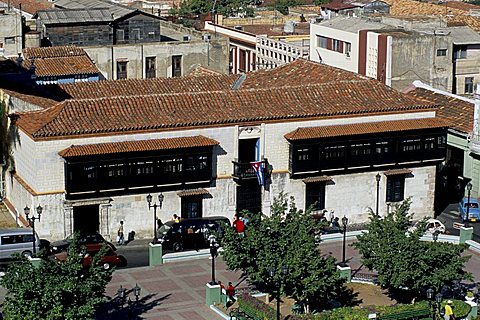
(155, 206)
(377, 178)
(31, 223)
(344, 223)
(430, 298)
(213, 253)
(278, 284)
(469, 189)
(438, 300)
(123, 295)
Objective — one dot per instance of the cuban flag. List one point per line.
(257, 167)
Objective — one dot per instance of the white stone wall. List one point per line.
(40, 166)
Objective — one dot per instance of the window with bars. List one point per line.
(395, 188)
(150, 67)
(315, 196)
(121, 69)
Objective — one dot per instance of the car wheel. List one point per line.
(27, 254)
(123, 261)
(107, 266)
(177, 246)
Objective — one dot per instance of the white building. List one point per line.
(320, 134)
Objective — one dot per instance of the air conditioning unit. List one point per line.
(187, 37)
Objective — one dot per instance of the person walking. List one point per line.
(175, 218)
(120, 235)
(230, 292)
(449, 315)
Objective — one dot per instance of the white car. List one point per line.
(433, 225)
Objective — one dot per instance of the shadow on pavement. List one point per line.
(115, 309)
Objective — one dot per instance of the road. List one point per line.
(450, 215)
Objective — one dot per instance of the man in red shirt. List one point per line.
(239, 225)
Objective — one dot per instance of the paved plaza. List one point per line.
(176, 291)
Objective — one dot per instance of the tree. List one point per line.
(55, 290)
(320, 2)
(405, 264)
(8, 139)
(284, 238)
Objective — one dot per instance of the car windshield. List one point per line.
(472, 205)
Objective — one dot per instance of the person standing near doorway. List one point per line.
(120, 235)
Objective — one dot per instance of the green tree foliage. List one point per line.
(284, 238)
(224, 7)
(54, 290)
(320, 2)
(8, 136)
(405, 264)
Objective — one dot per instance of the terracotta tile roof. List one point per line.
(136, 146)
(455, 16)
(190, 110)
(32, 98)
(296, 73)
(53, 52)
(30, 6)
(129, 87)
(276, 30)
(364, 128)
(201, 71)
(59, 61)
(193, 192)
(317, 179)
(457, 113)
(462, 5)
(396, 172)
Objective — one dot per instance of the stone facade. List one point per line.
(40, 179)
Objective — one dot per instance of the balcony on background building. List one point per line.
(475, 144)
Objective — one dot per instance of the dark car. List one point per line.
(109, 259)
(190, 233)
(92, 242)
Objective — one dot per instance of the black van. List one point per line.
(190, 233)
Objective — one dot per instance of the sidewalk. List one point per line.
(176, 291)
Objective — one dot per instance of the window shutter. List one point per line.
(329, 43)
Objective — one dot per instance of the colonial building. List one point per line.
(218, 144)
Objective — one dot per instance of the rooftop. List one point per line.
(29, 6)
(353, 24)
(116, 10)
(61, 16)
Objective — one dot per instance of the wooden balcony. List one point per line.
(243, 170)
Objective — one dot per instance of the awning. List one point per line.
(136, 146)
(317, 179)
(397, 172)
(193, 192)
(364, 128)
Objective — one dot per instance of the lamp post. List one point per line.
(155, 206)
(31, 223)
(438, 300)
(278, 284)
(123, 295)
(430, 298)
(469, 189)
(377, 178)
(344, 223)
(213, 253)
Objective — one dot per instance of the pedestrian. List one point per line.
(239, 225)
(120, 236)
(222, 287)
(175, 218)
(336, 223)
(332, 215)
(230, 292)
(245, 220)
(449, 315)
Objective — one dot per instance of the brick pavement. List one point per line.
(176, 291)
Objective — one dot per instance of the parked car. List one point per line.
(190, 233)
(93, 243)
(473, 211)
(432, 225)
(109, 259)
(17, 240)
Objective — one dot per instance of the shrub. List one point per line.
(253, 306)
